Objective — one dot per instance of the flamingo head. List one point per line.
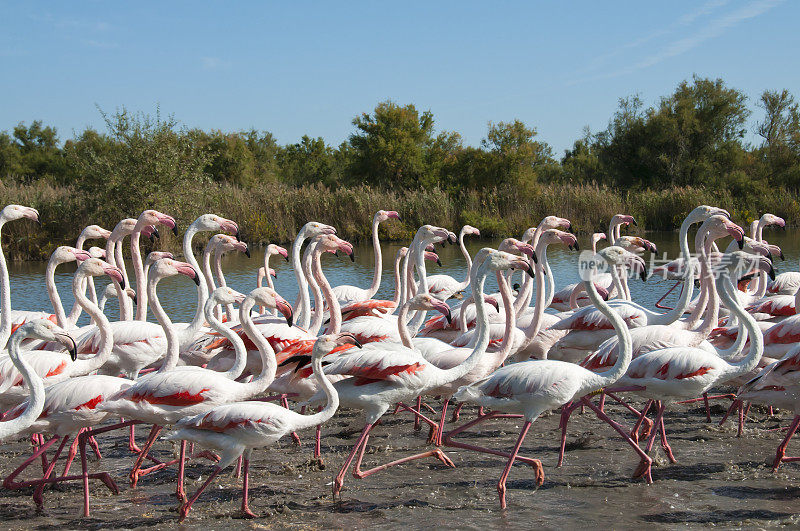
(741, 261)
(95, 232)
(326, 344)
(167, 267)
(426, 302)
(315, 228)
(333, 244)
(48, 331)
(555, 222)
(124, 228)
(551, 236)
(154, 217)
(617, 256)
(95, 267)
(719, 226)
(433, 257)
(513, 245)
(383, 215)
(155, 256)
(226, 295)
(469, 230)
(268, 298)
(14, 212)
(97, 252)
(212, 222)
(500, 261)
(703, 212)
(273, 250)
(772, 219)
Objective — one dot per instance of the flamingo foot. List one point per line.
(441, 456)
(644, 470)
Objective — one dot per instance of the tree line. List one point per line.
(695, 137)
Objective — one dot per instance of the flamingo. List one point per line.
(444, 286)
(676, 373)
(238, 428)
(383, 374)
(302, 306)
(70, 405)
(148, 218)
(38, 329)
(266, 271)
(346, 293)
(167, 395)
(533, 387)
(219, 244)
(92, 232)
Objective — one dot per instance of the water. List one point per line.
(177, 295)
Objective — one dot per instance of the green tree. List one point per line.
(779, 152)
(390, 147)
(309, 161)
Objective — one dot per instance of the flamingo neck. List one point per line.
(511, 317)
(82, 367)
(419, 262)
(468, 259)
(319, 307)
(332, 397)
(138, 273)
(111, 258)
(269, 365)
(538, 309)
(218, 253)
(625, 348)
(123, 295)
(334, 309)
(5, 295)
(240, 352)
(397, 281)
(171, 335)
(52, 291)
(303, 309)
(749, 362)
(35, 402)
(378, 267)
(202, 289)
(402, 327)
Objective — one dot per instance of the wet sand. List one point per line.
(719, 480)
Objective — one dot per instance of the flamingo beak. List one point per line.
(444, 309)
(392, 214)
(33, 214)
(491, 300)
(69, 343)
(188, 270)
(355, 341)
(286, 309)
(115, 273)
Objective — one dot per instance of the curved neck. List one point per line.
(35, 402)
(202, 292)
(303, 310)
(538, 309)
(419, 262)
(449, 375)
(749, 362)
(268, 362)
(624, 341)
(741, 336)
(209, 277)
(221, 279)
(331, 395)
(688, 283)
(52, 292)
(319, 307)
(335, 311)
(82, 367)
(138, 273)
(511, 318)
(397, 282)
(468, 258)
(5, 296)
(378, 268)
(711, 319)
(113, 258)
(173, 346)
(240, 352)
(402, 327)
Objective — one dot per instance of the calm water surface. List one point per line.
(178, 296)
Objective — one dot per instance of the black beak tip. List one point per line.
(247, 253)
(782, 257)
(741, 244)
(448, 317)
(530, 272)
(238, 236)
(73, 353)
(353, 257)
(577, 247)
(289, 320)
(175, 230)
(286, 257)
(772, 273)
(152, 238)
(633, 220)
(438, 262)
(535, 259)
(643, 275)
(135, 301)
(516, 286)
(196, 279)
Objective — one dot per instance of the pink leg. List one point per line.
(448, 439)
(318, 441)
(295, 437)
(135, 472)
(708, 408)
(359, 474)
(8, 482)
(418, 409)
(419, 416)
(73, 451)
(501, 485)
(246, 490)
(180, 493)
(102, 476)
(184, 510)
(238, 471)
(338, 483)
(619, 429)
(38, 494)
(602, 401)
(642, 418)
(566, 411)
(664, 444)
(132, 446)
(457, 412)
(780, 455)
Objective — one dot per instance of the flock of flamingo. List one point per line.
(251, 369)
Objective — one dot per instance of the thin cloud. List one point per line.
(211, 63)
(712, 30)
(100, 44)
(685, 20)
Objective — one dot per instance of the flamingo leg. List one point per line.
(448, 439)
(780, 455)
(73, 451)
(566, 411)
(664, 444)
(180, 493)
(132, 446)
(418, 410)
(359, 474)
(135, 472)
(457, 412)
(621, 430)
(38, 494)
(184, 510)
(642, 418)
(246, 489)
(338, 483)
(295, 437)
(501, 485)
(417, 414)
(8, 482)
(318, 440)
(708, 408)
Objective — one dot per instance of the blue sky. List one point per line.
(297, 68)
